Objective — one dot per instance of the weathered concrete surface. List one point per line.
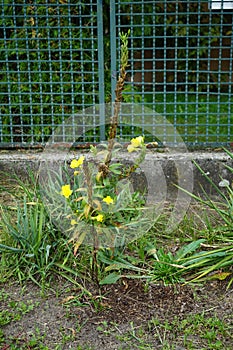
(160, 170)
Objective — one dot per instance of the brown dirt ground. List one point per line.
(67, 318)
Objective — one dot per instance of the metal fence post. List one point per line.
(101, 68)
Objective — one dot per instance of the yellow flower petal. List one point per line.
(131, 148)
(99, 218)
(137, 141)
(108, 200)
(66, 191)
(75, 163)
(73, 222)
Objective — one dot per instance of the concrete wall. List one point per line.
(160, 169)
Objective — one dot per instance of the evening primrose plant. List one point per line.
(101, 206)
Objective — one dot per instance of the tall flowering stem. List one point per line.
(118, 98)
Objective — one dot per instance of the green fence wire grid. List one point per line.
(58, 58)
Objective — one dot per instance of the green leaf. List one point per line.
(230, 154)
(115, 168)
(202, 257)
(110, 279)
(11, 249)
(188, 249)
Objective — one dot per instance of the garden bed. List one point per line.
(127, 315)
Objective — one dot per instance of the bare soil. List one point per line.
(66, 318)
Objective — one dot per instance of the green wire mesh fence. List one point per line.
(60, 57)
(181, 64)
(51, 61)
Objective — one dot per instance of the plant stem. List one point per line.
(118, 98)
(94, 267)
(94, 234)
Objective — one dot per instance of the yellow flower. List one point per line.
(131, 148)
(99, 218)
(73, 222)
(108, 200)
(76, 172)
(137, 141)
(66, 191)
(76, 163)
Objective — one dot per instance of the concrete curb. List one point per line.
(174, 168)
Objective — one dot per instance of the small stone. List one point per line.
(224, 183)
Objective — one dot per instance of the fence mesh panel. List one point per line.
(181, 65)
(49, 61)
(53, 65)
